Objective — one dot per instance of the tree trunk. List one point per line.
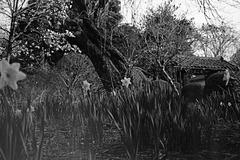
(96, 58)
(104, 45)
(92, 43)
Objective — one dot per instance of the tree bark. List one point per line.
(104, 45)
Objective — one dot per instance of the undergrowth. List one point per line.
(152, 120)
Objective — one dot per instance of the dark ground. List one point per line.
(60, 145)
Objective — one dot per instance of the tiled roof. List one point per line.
(194, 62)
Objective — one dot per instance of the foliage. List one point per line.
(216, 83)
(152, 117)
(164, 34)
(41, 35)
(44, 37)
(106, 14)
(192, 92)
(129, 41)
(155, 117)
(235, 58)
(29, 39)
(167, 33)
(15, 128)
(226, 106)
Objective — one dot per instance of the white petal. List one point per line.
(1, 66)
(2, 83)
(15, 66)
(4, 65)
(13, 85)
(20, 76)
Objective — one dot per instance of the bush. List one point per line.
(215, 83)
(192, 92)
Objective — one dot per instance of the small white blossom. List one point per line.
(229, 104)
(86, 85)
(126, 82)
(70, 34)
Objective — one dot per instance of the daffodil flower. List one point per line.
(126, 82)
(229, 104)
(10, 74)
(86, 85)
(226, 76)
(32, 109)
(18, 113)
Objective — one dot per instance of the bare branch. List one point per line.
(212, 8)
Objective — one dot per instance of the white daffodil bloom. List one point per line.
(126, 82)
(18, 113)
(86, 85)
(226, 76)
(10, 74)
(229, 104)
(32, 109)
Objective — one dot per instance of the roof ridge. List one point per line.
(204, 62)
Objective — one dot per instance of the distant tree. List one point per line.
(217, 40)
(165, 35)
(10, 10)
(129, 41)
(236, 58)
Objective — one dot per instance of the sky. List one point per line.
(188, 7)
(232, 14)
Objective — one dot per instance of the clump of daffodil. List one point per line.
(126, 82)
(10, 74)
